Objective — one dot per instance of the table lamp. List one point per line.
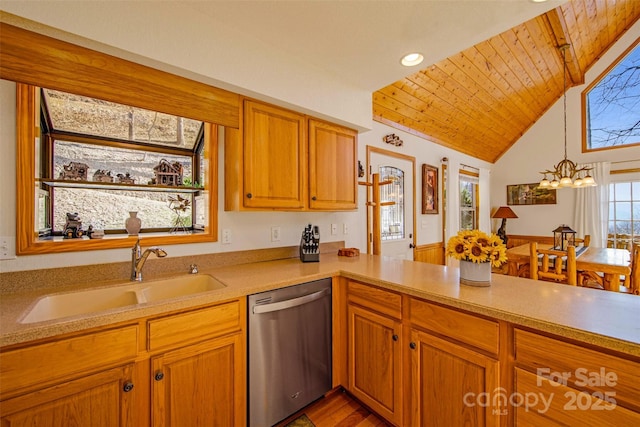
(504, 212)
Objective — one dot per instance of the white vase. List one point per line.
(475, 273)
(133, 224)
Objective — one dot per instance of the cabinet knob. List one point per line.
(249, 195)
(158, 376)
(314, 198)
(395, 337)
(411, 245)
(412, 345)
(127, 387)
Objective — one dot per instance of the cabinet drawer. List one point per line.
(467, 328)
(545, 403)
(583, 367)
(195, 325)
(380, 300)
(44, 364)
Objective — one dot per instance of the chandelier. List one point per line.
(564, 173)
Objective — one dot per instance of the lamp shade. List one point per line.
(504, 212)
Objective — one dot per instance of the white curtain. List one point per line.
(592, 206)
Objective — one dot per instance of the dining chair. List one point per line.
(586, 240)
(553, 265)
(632, 283)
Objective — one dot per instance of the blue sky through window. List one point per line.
(613, 105)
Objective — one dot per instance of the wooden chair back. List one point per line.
(585, 241)
(547, 264)
(634, 283)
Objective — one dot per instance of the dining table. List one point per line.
(612, 263)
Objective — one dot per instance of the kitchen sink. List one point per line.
(62, 305)
(177, 287)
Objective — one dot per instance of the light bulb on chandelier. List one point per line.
(565, 171)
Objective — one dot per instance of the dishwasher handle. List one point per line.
(294, 302)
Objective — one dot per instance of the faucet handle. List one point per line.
(194, 269)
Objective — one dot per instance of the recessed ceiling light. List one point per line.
(538, 1)
(412, 59)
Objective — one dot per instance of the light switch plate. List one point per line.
(226, 236)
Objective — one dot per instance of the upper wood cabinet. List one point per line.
(283, 160)
(274, 154)
(332, 166)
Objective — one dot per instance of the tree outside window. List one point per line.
(612, 105)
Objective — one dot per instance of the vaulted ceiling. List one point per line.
(481, 100)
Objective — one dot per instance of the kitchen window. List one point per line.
(101, 160)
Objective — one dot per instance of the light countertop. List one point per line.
(607, 319)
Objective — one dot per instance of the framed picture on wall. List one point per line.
(429, 189)
(530, 194)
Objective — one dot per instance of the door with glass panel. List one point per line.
(397, 219)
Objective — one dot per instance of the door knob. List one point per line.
(249, 195)
(411, 245)
(158, 376)
(127, 387)
(395, 337)
(412, 345)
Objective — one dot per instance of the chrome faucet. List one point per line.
(137, 260)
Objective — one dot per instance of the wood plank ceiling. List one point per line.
(481, 100)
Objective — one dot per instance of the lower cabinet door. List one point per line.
(202, 385)
(100, 400)
(450, 384)
(545, 402)
(374, 357)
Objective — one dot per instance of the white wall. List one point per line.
(542, 146)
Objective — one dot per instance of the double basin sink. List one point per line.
(58, 306)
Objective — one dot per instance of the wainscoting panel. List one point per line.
(432, 253)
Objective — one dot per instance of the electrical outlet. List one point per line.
(7, 247)
(226, 236)
(345, 228)
(275, 234)
(334, 229)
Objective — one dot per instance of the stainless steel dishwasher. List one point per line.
(289, 350)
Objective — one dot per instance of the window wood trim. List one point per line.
(27, 242)
(583, 103)
(38, 60)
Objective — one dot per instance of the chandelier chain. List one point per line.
(565, 171)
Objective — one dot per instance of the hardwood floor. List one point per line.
(338, 409)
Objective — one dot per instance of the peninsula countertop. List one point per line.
(593, 316)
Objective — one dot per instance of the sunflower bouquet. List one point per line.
(476, 246)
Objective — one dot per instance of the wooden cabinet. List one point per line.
(374, 345)
(199, 379)
(332, 167)
(84, 380)
(573, 385)
(449, 383)
(453, 367)
(181, 369)
(200, 385)
(100, 400)
(283, 160)
(273, 158)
